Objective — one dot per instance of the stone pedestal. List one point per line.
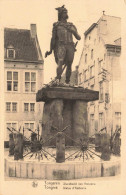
(11, 144)
(18, 150)
(65, 106)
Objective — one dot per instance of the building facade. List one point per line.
(100, 70)
(23, 69)
(73, 78)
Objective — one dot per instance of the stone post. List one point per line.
(33, 140)
(98, 142)
(60, 148)
(18, 150)
(116, 145)
(105, 146)
(84, 139)
(11, 144)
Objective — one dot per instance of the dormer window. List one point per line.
(10, 52)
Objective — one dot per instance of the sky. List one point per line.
(82, 13)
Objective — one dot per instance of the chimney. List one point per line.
(33, 30)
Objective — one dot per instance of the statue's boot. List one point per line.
(67, 81)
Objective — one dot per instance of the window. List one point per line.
(118, 119)
(92, 87)
(101, 95)
(11, 106)
(11, 126)
(92, 51)
(92, 126)
(26, 107)
(85, 58)
(85, 75)
(101, 121)
(12, 81)
(14, 107)
(80, 78)
(100, 65)
(91, 71)
(28, 125)
(30, 81)
(8, 106)
(32, 107)
(29, 107)
(104, 56)
(107, 98)
(10, 53)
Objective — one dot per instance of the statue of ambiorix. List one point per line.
(62, 43)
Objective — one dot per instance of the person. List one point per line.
(62, 43)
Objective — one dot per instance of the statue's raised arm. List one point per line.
(62, 43)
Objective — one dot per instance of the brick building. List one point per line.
(100, 70)
(23, 69)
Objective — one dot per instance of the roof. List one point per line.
(23, 44)
(113, 29)
(110, 30)
(90, 29)
(118, 41)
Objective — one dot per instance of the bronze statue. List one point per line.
(62, 43)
